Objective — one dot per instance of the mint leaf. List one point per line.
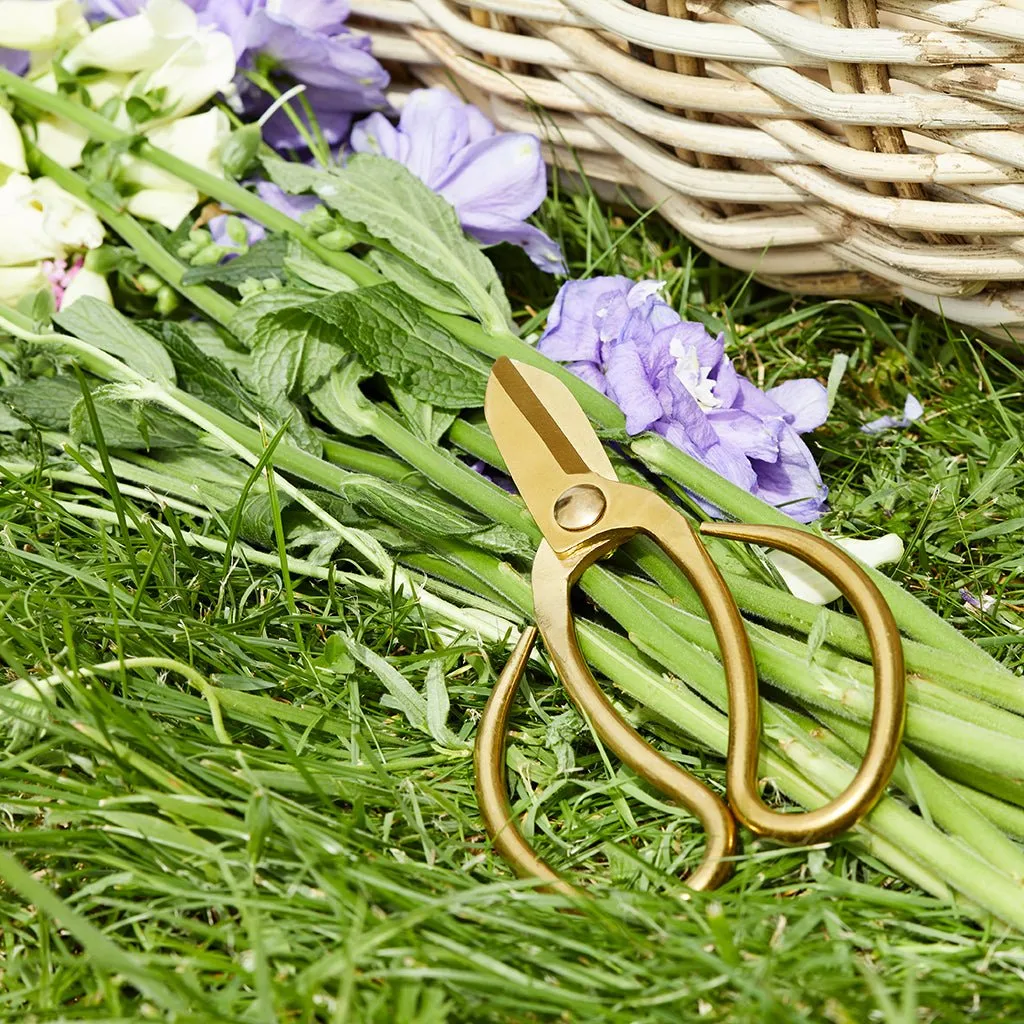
(292, 176)
(129, 423)
(395, 206)
(406, 507)
(417, 283)
(200, 374)
(253, 309)
(264, 259)
(319, 275)
(393, 336)
(44, 401)
(104, 327)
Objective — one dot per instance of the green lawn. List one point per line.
(282, 846)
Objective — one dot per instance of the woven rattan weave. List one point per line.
(833, 149)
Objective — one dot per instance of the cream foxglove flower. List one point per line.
(196, 139)
(86, 283)
(39, 24)
(42, 221)
(16, 282)
(162, 196)
(62, 139)
(169, 50)
(12, 148)
(809, 585)
(167, 206)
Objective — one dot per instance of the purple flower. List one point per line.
(293, 206)
(912, 410)
(494, 181)
(307, 40)
(14, 60)
(670, 376)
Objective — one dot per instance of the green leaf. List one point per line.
(405, 507)
(341, 402)
(401, 694)
(262, 260)
(129, 423)
(198, 373)
(292, 176)
(426, 422)
(418, 284)
(104, 327)
(45, 401)
(293, 350)
(243, 324)
(319, 275)
(395, 206)
(393, 336)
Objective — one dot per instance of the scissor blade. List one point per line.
(541, 431)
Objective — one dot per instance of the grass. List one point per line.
(281, 846)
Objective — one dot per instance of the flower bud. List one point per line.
(238, 151)
(209, 256)
(166, 300)
(148, 283)
(337, 240)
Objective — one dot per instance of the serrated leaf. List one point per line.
(424, 420)
(341, 402)
(253, 309)
(107, 329)
(394, 205)
(198, 373)
(418, 284)
(406, 508)
(262, 260)
(129, 423)
(45, 401)
(319, 275)
(290, 175)
(393, 336)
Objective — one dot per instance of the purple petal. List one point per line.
(293, 206)
(804, 401)
(436, 124)
(542, 250)
(793, 482)
(882, 423)
(311, 15)
(14, 60)
(755, 437)
(254, 232)
(232, 17)
(331, 109)
(376, 134)
(572, 329)
(628, 383)
(590, 374)
(912, 409)
(495, 179)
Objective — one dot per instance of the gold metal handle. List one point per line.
(555, 573)
(888, 715)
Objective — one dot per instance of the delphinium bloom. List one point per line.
(307, 41)
(671, 376)
(494, 181)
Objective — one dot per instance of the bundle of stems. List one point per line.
(956, 806)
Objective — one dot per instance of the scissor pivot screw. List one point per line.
(580, 507)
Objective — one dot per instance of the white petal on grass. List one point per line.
(87, 283)
(12, 147)
(809, 585)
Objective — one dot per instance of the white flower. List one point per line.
(162, 196)
(169, 50)
(196, 139)
(809, 585)
(62, 139)
(42, 221)
(12, 148)
(167, 206)
(39, 24)
(87, 283)
(16, 282)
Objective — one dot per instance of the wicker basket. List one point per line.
(836, 149)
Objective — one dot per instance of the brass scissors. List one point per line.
(567, 481)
